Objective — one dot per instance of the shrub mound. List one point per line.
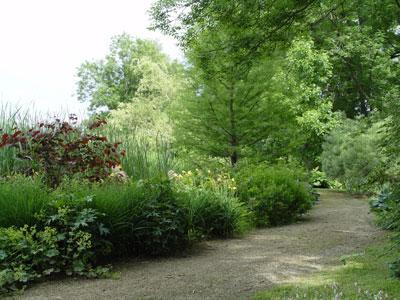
(276, 195)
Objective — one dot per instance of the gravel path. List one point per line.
(236, 268)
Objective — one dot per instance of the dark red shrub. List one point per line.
(63, 148)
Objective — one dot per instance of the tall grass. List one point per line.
(146, 156)
(20, 199)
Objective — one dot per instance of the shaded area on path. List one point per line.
(235, 268)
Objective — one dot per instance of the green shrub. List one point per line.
(213, 214)
(20, 199)
(62, 148)
(276, 195)
(66, 240)
(351, 155)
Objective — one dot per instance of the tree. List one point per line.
(133, 68)
(302, 83)
(230, 106)
(221, 113)
(362, 40)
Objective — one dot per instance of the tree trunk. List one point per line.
(233, 140)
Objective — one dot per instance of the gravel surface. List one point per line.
(235, 268)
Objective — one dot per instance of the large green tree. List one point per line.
(240, 97)
(133, 68)
(362, 39)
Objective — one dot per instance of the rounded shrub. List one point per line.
(276, 195)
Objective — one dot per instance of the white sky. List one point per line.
(42, 42)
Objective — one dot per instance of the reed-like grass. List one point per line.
(20, 199)
(12, 117)
(146, 156)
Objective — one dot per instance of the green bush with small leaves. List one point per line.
(277, 195)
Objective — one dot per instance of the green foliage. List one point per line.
(319, 179)
(213, 210)
(12, 117)
(361, 38)
(66, 240)
(276, 195)
(301, 83)
(352, 156)
(146, 156)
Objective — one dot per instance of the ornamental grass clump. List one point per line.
(213, 210)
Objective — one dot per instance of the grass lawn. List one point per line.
(363, 275)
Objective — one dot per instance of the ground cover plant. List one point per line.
(63, 240)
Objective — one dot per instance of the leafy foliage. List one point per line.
(133, 69)
(66, 241)
(144, 217)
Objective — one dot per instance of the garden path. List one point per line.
(237, 268)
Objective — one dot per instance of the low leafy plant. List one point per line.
(65, 240)
(275, 194)
(319, 179)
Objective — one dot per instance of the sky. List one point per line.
(43, 42)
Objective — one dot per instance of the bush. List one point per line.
(65, 240)
(60, 148)
(213, 210)
(276, 195)
(351, 155)
(20, 199)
